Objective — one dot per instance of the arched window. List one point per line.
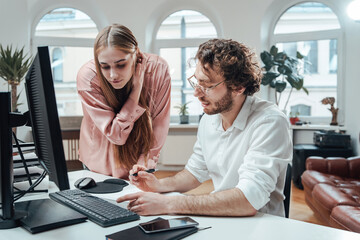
(177, 41)
(70, 35)
(312, 29)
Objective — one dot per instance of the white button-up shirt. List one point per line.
(251, 155)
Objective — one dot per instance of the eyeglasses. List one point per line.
(194, 84)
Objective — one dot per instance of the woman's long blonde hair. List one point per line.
(141, 137)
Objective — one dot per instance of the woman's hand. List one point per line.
(138, 77)
(144, 181)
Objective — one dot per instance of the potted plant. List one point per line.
(13, 67)
(183, 112)
(281, 69)
(294, 118)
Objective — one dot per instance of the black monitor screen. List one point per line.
(6, 167)
(45, 120)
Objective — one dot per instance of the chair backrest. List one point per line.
(287, 190)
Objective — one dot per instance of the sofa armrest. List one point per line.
(354, 167)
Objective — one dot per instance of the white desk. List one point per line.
(304, 134)
(261, 226)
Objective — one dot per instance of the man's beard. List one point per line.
(223, 105)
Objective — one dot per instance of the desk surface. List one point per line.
(317, 127)
(261, 226)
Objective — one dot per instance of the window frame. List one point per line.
(61, 42)
(182, 43)
(57, 68)
(311, 36)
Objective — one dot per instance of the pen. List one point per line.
(148, 171)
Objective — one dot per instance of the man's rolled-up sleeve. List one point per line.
(196, 164)
(269, 153)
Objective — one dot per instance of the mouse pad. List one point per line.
(107, 186)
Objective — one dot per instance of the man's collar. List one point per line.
(241, 119)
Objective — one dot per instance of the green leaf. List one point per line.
(295, 81)
(278, 65)
(289, 68)
(273, 83)
(280, 86)
(183, 108)
(274, 50)
(267, 67)
(299, 55)
(14, 64)
(268, 77)
(267, 59)
(305, 90)
(292, 60)
(280, 57)
(281, 69)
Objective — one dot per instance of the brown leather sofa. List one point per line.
(332, 190)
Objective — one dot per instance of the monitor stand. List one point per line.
(13, 222)
(9, 217)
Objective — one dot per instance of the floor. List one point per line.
(299, 210)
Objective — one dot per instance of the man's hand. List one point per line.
(145, 203)
(144, 181)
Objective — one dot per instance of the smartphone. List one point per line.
(167, 224)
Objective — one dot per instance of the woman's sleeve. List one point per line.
(115, 127)
(161, 116)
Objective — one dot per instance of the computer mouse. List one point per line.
(84, 183)
(116, 181)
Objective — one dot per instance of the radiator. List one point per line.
(71, 149)
(71, 143)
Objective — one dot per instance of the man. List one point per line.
(243, 144)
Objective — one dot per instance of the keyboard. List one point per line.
(96, 209)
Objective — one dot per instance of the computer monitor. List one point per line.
(46, 133)
(7, 219)
(45, 119)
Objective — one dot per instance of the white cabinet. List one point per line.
(179, 145)
(304, 134)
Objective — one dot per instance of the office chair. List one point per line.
(287, 190)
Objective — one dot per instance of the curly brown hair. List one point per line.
(235, 61)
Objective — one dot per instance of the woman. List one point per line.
(125, 97)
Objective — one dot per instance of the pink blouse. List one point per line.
(101, 126)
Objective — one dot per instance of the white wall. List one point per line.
(352, 82)
(13, 29)
(248, 21)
